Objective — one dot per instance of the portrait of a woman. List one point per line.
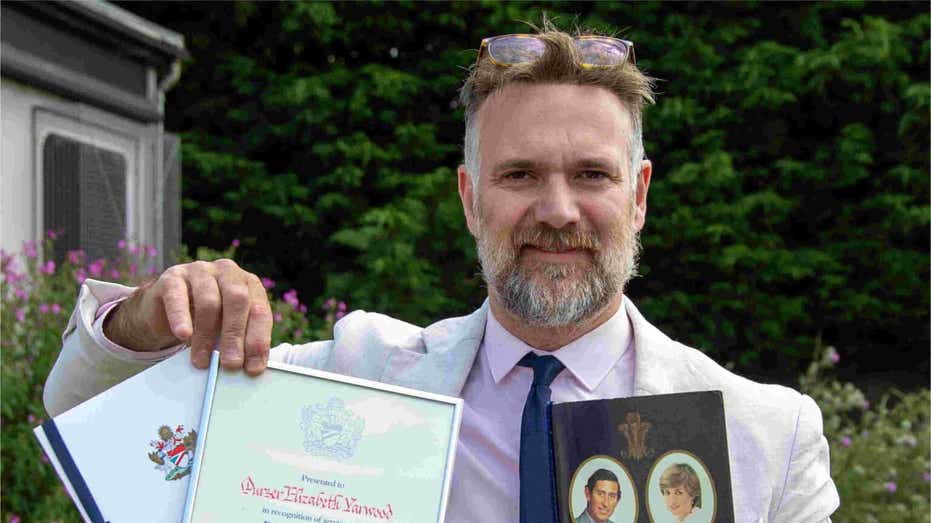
(681, 491)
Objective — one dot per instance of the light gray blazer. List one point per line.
(780, 467)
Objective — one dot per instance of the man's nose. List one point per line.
(556, 205)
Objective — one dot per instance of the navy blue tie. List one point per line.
(536, 456)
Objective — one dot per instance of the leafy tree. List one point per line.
(790, 143)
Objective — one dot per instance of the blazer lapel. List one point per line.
(660, 365)
(449, 350)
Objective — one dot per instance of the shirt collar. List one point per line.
(589, 358)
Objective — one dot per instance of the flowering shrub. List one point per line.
(880, 454)
(37, 297)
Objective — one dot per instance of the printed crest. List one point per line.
(331, 430)
(173, 451)
(635, 431)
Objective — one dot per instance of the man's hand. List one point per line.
(203, 304)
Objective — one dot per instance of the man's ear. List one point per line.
(467, 196)
(643, 186)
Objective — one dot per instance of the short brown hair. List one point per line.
(558, 65)
(682, 475)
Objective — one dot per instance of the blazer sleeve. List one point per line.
(809, 493)
(85, 367)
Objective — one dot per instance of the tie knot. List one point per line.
(545, 368)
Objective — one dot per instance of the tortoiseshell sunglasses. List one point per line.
(595, 51)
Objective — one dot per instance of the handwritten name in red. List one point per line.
(333, 502)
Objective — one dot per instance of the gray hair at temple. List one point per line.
(558, 65)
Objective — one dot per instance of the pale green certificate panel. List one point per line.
(287, 447)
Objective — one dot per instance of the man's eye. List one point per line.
(594, 175)
(517, 175)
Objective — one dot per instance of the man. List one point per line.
(554, 190)
(602, 494)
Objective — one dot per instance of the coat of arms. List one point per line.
(331, 430)
(173, 451)
(635, 431)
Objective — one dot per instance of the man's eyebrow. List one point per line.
(517, 163)
(596, 163)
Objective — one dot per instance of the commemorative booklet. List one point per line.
(653, 459)
(297, 444)
(126, 454)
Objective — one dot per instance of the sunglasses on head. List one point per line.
(594, 51)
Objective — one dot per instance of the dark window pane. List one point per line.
(85, 197)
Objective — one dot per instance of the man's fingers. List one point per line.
(177, 307)
(236, 301)
(259, 328)
(205, 295)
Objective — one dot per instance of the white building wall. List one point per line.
(25, 112)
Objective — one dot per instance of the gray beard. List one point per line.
(558, 295)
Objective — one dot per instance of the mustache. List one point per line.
(552, 239)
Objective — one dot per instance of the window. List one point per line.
(84, 196)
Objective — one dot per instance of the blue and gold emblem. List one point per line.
(331, 430)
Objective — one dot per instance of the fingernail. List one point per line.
(255, 364)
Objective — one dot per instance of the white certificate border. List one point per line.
(454, 402)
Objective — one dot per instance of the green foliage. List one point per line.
(790, 149)
(36, 299)
(895, 487)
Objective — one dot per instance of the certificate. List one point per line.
(297, 444)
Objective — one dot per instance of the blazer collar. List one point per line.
(660, 367)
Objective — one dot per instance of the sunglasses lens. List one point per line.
(516, 50)
(602, 52)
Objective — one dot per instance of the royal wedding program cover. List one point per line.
(126, 454)
(296, 444)
(655, 459)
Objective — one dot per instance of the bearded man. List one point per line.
(554, 189)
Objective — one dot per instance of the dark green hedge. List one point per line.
(790, 142)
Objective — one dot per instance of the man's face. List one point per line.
(554, 216)
(678, 501)
(602, 499)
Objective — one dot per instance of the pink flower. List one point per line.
(866, 404)
(121, 244)
(302, 308)
(133, 249)
(20, 293)
(833, 356)
(44, 458)
(44, 308)
(891, 487)
(235, 242)
(341, 306)
(133, 269)
(21, 314)
(14, 518)
(51, 234)
(846, 441)
(80, 275)
(329, 304)
(298, 333)
(268, 283)
(926, 477)
(47, 268)
(96, 268)
(115, 274)
(76, 257)
(290, 297)
(151, 269)
(277, 316)
(29, 248)
(340, 314)
(151, 250)
(56, 308)
(30, 419)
